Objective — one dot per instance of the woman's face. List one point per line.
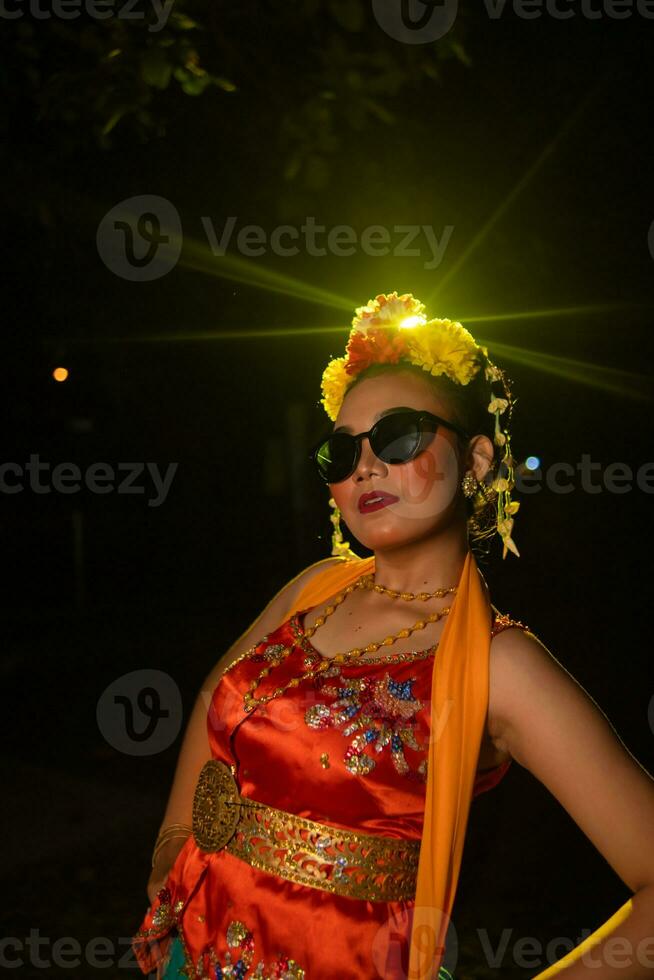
(427, 488)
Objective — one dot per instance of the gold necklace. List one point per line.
(250, 702)
(407, 596)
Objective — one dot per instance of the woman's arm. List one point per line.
(195, 750)
(550, 725)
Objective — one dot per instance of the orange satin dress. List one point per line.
(347, 748)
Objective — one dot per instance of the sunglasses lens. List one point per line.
(399, 438)
(335, 457)
(395, 439)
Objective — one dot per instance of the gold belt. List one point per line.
(364, 866)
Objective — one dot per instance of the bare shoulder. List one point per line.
(522, 671)
(292, 589)
(271, 616)
(312, 570)
(518, 660)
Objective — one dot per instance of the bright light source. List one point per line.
(532, 462)
(60, 373)
(412, 321)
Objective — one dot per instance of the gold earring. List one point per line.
(469, 484)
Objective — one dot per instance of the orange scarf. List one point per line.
(459, 705)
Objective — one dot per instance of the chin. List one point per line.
(387, 534)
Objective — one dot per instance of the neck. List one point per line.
(425, 565)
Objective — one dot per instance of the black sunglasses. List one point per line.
(395, 438)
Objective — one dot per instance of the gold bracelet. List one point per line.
(170, 833)
(159, 846)
(175, 826)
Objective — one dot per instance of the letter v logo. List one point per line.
(415, 21)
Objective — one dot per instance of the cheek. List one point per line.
(344, 494)
(427, 486)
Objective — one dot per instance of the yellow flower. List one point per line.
(444, 347)
(498, 405)
(437, 346)
(513, 507)
(335, 380)
(505, 527)
(501, 485)
(499, 438)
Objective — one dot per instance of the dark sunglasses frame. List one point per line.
(372, 434)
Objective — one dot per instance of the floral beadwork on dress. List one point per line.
(380, 710)
(164, 915)
(237, 964)
(212, 967)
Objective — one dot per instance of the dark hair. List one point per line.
(469, 408)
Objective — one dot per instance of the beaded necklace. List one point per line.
(365, 582)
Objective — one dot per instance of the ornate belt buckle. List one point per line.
(216, 806)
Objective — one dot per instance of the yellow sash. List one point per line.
(459, 705)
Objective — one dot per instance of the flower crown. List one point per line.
(392, 328)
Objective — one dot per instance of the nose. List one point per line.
(369, 464)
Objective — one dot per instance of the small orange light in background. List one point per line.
(60, 373)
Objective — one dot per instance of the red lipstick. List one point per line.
(375, 500)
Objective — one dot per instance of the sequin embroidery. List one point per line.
(164, 915)
(237, 964)
(233, 964)
(381, 711)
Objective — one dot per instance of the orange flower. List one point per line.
(377, 346)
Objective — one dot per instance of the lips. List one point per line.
(375, 501)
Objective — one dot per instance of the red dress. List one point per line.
(346, 748)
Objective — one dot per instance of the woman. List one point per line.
(316, 822)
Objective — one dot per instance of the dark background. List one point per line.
(530, 138)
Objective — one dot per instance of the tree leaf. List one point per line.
(114, 119)
(155, 68)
